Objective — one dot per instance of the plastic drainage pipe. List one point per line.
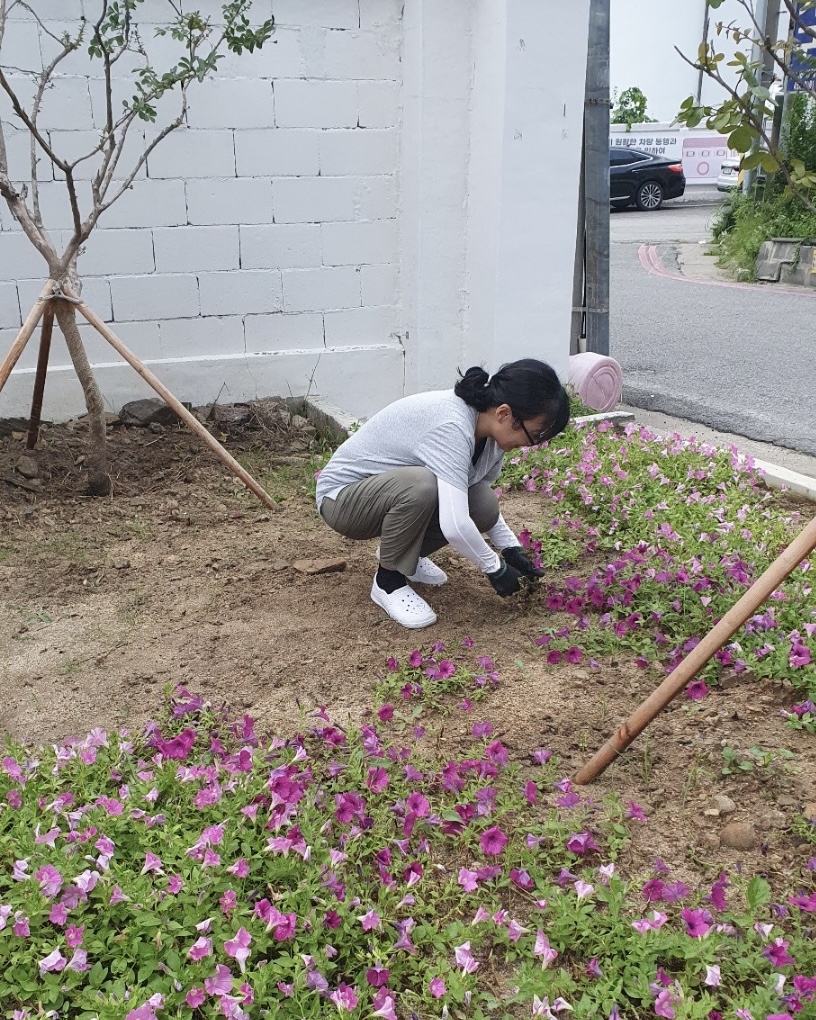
(799, 550)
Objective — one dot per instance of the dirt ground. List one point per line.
(182, 577)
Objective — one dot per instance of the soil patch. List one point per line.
(181, 577)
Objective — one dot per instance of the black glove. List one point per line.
(518, 558)
(506, 580)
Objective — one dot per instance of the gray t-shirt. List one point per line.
(435, 430)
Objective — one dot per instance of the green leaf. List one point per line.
(741, 139)
(758, 893)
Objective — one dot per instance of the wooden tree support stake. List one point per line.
(25, 333)
(189, 419)
(801, 547)
(39, 379)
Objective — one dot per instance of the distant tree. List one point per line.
(747, 114)
(630, 107)
(109, 32)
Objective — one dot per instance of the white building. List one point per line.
(645, 38)
(386, 192)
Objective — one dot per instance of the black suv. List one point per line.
(641, 179)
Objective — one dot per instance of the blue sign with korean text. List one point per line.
(803, 61)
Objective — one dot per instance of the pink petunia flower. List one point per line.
(200, 949)
(195, 997)
(437, 987)
(465, 959)
(344, 997)
(220, 983)
(544, 950)
(493, 841)
(238, 947)
(55, 961)
(370, 921)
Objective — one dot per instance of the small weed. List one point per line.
(755, 759)
(140, 529)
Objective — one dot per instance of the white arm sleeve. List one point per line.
(501, 536)
(458, 528)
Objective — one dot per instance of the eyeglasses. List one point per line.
(539, 437)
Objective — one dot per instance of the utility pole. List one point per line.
(767, 17)
(596, 159)
(704, 39)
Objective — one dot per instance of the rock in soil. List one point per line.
(723, 804)
(319, 566)
(142, 413)
(739, 836)
(28, 467)
(809, 811)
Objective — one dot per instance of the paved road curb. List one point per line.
(336, 423)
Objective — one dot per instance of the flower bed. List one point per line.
(199, 872)
(657, 539)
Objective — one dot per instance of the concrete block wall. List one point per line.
(257, 239)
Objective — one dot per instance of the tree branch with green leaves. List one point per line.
(747, 112)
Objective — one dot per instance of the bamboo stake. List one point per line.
(189, 419)
(24, 335)
(39, 379)
(801, 547)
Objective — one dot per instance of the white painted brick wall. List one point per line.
(194, 249)
(283, 152)
(350, 55)
(378, 103)
(378, 284)
(17, 253)
(281, 246)
(115, 252)
(314, 199)
(240, 293)
(367, 243)
(358, 151)
(360, 326)
(229, 200)
(319, 104)
(188, 154)
(317, 13)
(154, 297)
(231, 103)
(10, 308)
(206, 336)
(148, 204)
(308, 290)
(265, 225)
(283, 331)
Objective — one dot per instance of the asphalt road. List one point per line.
(740, 358)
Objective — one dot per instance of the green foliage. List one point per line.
(197, 871)
(746, 222)
(654, 541)
(630, 107)
(747, 112)
(199, 40)
(754, 759)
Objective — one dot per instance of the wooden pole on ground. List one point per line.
(189, 419)
(24, 335)
(39, 379)
(801, 547)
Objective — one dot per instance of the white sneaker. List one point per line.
(427, 572)
(404, 606)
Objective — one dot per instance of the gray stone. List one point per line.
(724, 804)
(142, 413)
(739, 836)
(28, 467)
(775, 254)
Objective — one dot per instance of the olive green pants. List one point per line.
(402, 508)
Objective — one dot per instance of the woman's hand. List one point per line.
(516, 557)
(506, 580)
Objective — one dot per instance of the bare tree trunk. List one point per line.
(99, 483)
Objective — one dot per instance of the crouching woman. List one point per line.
(419, 475)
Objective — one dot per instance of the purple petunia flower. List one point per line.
(493, 841)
